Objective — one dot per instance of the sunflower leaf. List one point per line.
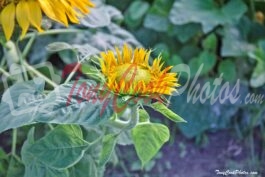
(59, 46)
(85, 167)
(73, 103)
(34, 167)
(148, 139)
(61, 148)
(109, 142)
(208, 12)
(135, 13)
(160, 107)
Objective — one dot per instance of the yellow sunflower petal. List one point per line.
(70, 12)
(50, 8)
(8, 19)
(119, 57)
(127, 54)
(82, 5)
(34, 14)
(29, 12)
(22, 17)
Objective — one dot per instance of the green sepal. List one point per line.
(160, 107)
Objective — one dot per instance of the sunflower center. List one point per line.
(132, 74)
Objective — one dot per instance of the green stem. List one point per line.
(50, 126)
(32, 69)
(21, 59)
(4, 72)
(118, 123)
(28, 46)
(14, 141)
(17, 158)
(51, 32)
(134, 118)
(126, 171)
(3, 61)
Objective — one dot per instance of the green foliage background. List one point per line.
(226, 36)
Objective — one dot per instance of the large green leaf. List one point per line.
(40, 170)
(84, 168)
(19, 103)
(3, 159)
(206, 60)
(76, 103)
(233, 42)
(210, 43)
(114, 34)
(33, 166)
(135, 13)
(156, 22)
(97, 18)
(163, 50)
(185, 32)
(258, 75)
(228, 69)
(157, 18)
(15, 168)
(202, 115)
(61, 148)
(101, 16)
(148, 139)
(206, 12)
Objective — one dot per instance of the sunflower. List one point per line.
(29, 12)
(129, 73)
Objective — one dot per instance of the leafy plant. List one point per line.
(51, 87)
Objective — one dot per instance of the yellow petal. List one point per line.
(70, 11)
(119, 57)
(8, 19)
(127, 54)
(82, 5)
(34, 14)
(49, 8)
(22, 16)
(60, 13)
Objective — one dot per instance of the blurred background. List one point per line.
(226, 36)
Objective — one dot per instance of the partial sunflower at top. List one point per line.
(129, 73)
(29, 13)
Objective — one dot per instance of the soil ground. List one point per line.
(184, 158)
